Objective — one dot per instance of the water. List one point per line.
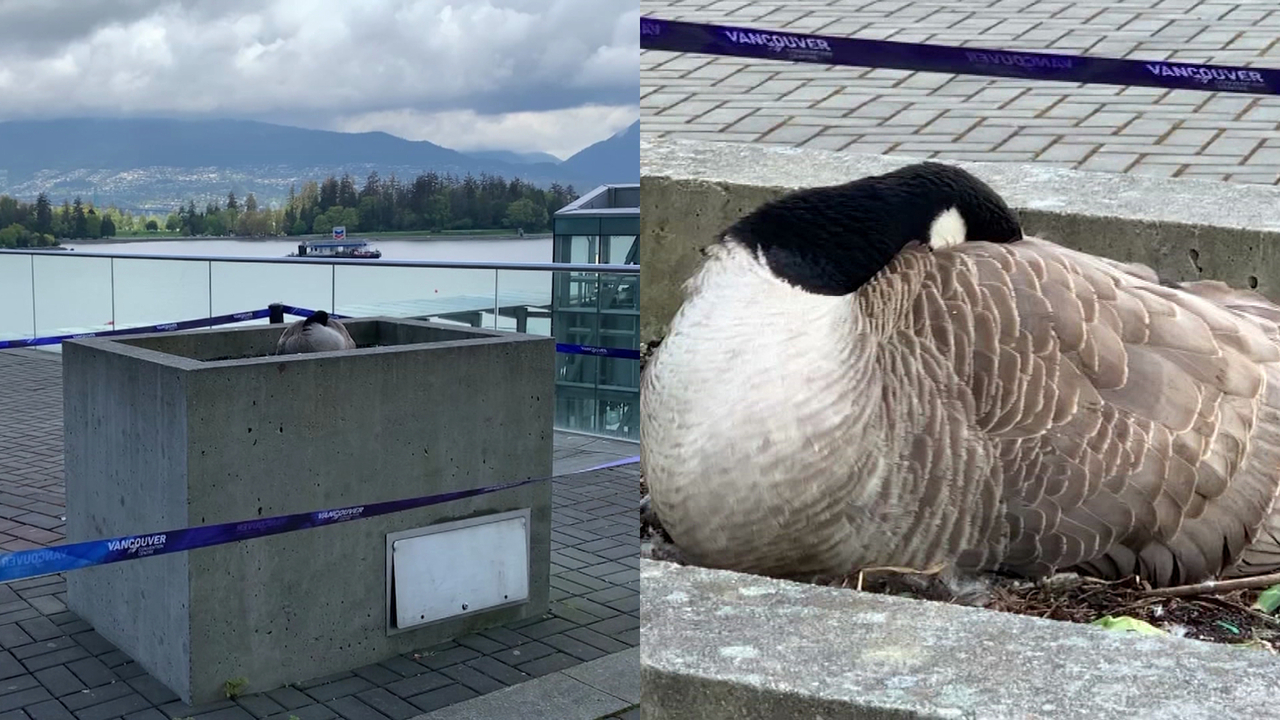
(497, 249)
(63, 293)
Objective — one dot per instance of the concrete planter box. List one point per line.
(163, 433)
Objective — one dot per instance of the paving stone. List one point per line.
(114, 659)
(440, 697)
(908, 103)
(596, 640)
(546, 627)
(153, 690)
(548, 664)
(93, 642)
(575, 616)
(388, 704)
(480, 644)
(573, 646)
(418, 684)
(129, 670)
(629, 604)
(232, 712)
(351, 708)
(48, 605)
(25, 613)
(57, 657)
(308, 712)
(59, 681)
(323, 680)
(508, 638)
(148, 714)
(339, 688)
(472, 678)
(92, 672)
(42, 648)
(445, 658)
(377, 674)
(23, 698)
(523, 653)
(10, 666)
(12, 636)
(49, 710)
(183, 710)
(499, 670)
(289, 698)
(21, 682)
(96, 696)
(260, 705)
(121, 706)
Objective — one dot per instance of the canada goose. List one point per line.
(317, 333)
(886, 373)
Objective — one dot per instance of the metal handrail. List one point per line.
(362, 262)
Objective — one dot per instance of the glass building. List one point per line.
(598, 395)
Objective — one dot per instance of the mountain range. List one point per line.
(153, 164)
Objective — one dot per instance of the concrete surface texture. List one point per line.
(1143, 131)
(1184, 229)
(725, 645)
(54, 666)
(584, 692)
(156, 441)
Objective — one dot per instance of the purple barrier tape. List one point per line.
(565, 348)
(62, 558)
(304, 312)
(163, 327)
(676, 36)
(598, 351)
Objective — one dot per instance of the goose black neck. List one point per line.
(833, 240)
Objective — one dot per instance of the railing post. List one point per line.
(277, 313)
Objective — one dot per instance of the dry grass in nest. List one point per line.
(1221, 618)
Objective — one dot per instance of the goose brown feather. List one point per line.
(317, 333)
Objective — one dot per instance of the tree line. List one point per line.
(38, 224)
(431, 202)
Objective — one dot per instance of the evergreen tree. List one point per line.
(79, 223)
(44, 215)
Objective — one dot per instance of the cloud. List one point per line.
(325, 63)
(559, 132)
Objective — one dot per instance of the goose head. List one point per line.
(833, 240)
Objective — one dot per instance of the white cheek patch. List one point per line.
(947, 230)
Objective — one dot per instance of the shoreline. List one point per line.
(301, 238)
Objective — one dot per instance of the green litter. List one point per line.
(1128, 624)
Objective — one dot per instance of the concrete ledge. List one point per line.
(589, 691)
(724, 645)
(691, 190)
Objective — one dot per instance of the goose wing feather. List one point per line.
(1136, 427)
(301, 337)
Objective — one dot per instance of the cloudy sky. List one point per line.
(524, 75)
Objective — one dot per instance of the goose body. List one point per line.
(850, 384)
(317, 333)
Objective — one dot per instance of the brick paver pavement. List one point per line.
(53, 666)
(1149, 131)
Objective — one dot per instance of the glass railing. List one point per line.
(49, 293)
